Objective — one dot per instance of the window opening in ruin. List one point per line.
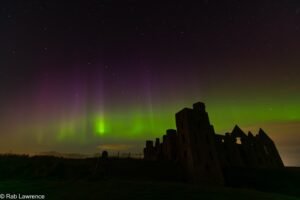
(239, 140)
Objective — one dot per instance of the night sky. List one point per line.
(83, 76)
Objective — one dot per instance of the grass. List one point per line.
(118, 178)
(121, 189)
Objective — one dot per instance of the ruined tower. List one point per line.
(196, 140)
(203, 154)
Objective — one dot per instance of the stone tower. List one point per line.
(196, 141)
(204, 155)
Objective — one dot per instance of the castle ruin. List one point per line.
(204, 154)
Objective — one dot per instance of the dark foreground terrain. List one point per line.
(120, 189)
(116, 178)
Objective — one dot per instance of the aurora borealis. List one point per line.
(81, 76)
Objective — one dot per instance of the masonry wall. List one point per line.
(197, 145)
(203, 153)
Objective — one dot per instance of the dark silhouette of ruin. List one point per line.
(204, 154)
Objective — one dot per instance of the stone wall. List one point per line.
(203, 153)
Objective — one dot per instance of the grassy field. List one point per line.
(117, 189)
(117, 178)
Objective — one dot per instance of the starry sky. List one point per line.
(83, 76)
